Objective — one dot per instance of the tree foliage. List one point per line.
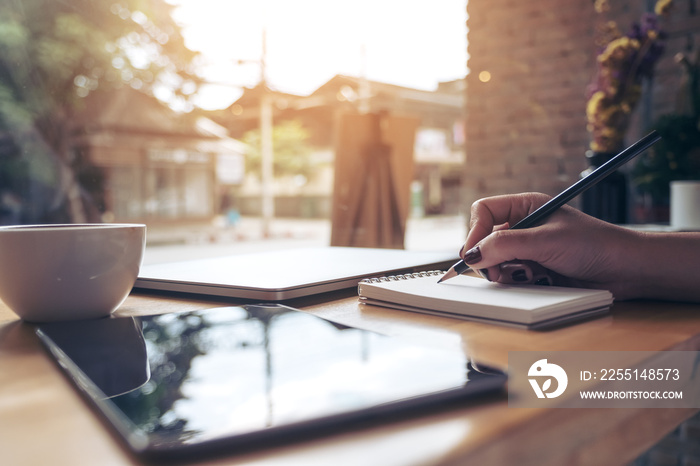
(53, 53)
(292, 153)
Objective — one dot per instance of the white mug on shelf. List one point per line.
(685, 205)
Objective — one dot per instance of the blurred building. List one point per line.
(439, 143)
(155, 166)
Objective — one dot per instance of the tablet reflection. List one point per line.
(240, 369)
(111, 353)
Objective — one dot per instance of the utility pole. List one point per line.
(266, 149)
(364, 89)
(267, 195)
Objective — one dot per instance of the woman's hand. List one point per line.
(569, 249)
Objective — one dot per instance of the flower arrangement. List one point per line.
(623, 62)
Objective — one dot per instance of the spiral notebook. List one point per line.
(472, 298)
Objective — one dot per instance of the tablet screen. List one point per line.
(234, 377)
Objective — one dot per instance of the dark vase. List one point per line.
(607, 200)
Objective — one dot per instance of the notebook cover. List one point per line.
(540, 325)
(474, 298)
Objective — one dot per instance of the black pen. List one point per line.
(538, 216)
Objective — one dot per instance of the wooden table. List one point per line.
(43, 420)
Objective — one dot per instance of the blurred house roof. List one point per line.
(131, 111)
(109, 117)
(438, 108)
(444, 95)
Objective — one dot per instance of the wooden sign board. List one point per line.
(373, 172)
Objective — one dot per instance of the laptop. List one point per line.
(287, 274)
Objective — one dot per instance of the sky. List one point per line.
(413, 43)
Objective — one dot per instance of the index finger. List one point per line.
(490, 212)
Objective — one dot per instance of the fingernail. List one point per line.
(472, 256)
(519, 276)
(544, 281)
(484, 273)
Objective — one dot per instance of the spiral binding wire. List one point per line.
(406, 276)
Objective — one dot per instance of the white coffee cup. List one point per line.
(69, 271)
(685, 205)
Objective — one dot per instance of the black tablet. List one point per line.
(183, 385)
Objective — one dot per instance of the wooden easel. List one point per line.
(373, 173)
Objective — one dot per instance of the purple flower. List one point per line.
(624, 61)
(650, 22)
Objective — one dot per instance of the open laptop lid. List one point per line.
(287, 274)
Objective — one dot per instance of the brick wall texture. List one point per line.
(526, 126)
